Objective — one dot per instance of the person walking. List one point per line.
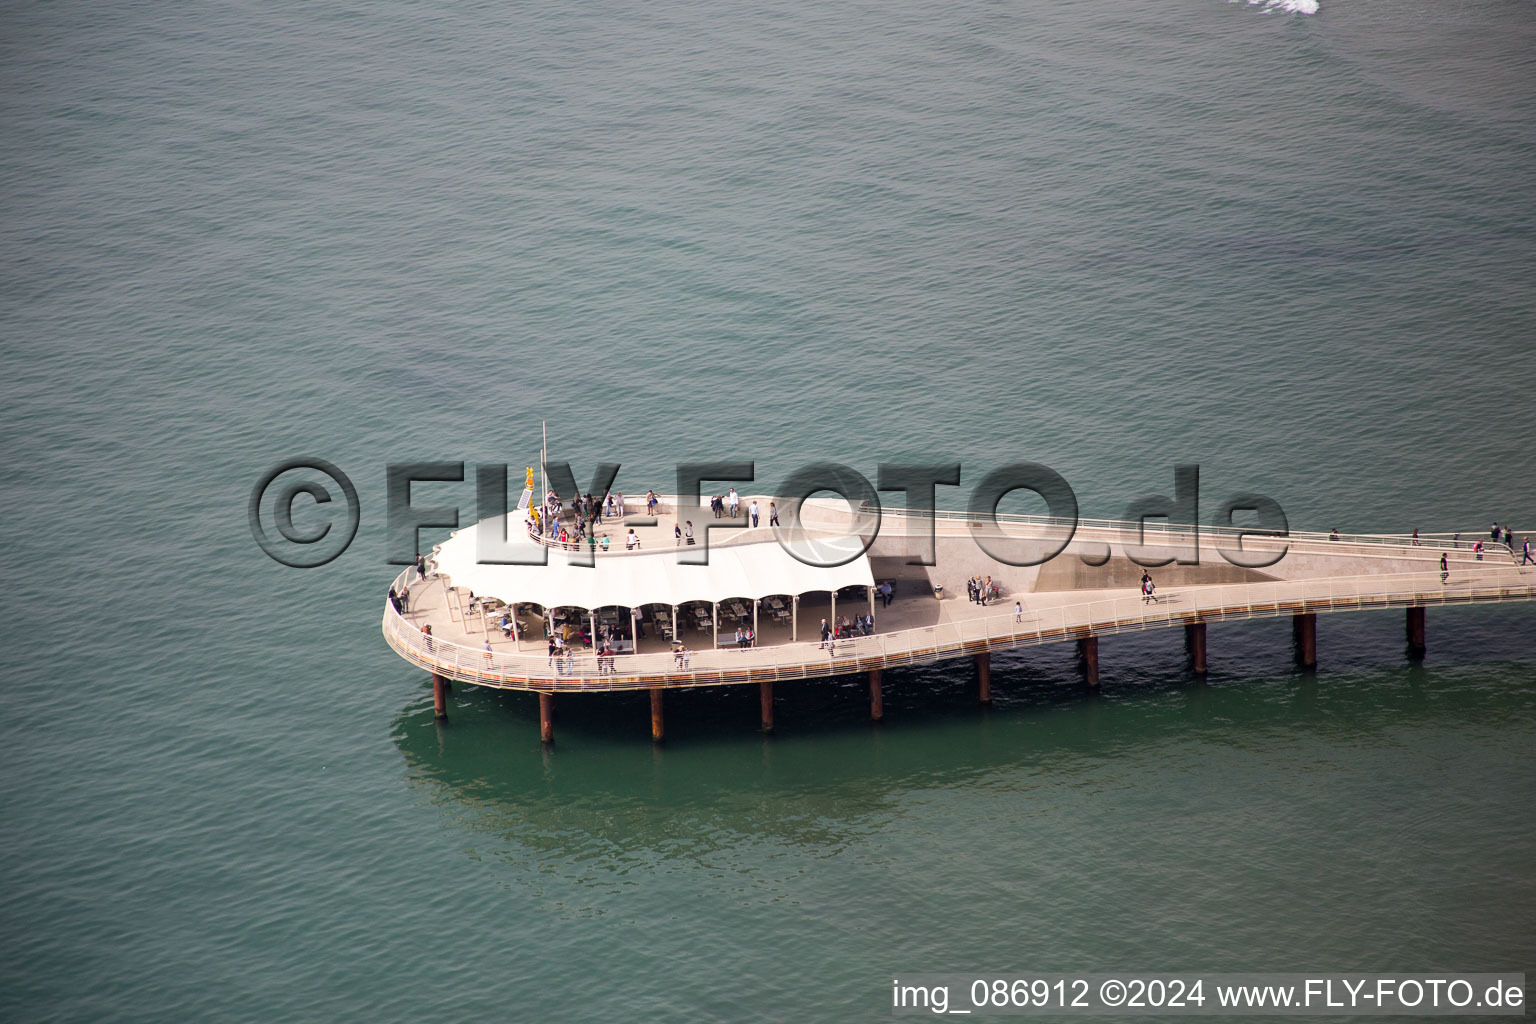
(752, 512)
(1416, 537)
(826, 633)
(554, 649)
(1527, 552)
(1018, 611)
(735, 503)
(1445, 568)
(773, 514)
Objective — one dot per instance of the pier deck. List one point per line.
(1349, 574)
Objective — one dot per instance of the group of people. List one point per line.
(981, 590)
(844, 627)
(400, 600)
(588, 514)
(1509, 542)
(729, 505)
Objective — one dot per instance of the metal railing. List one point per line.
(1168, 533)
(1047, 624)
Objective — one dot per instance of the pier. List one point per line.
(1087, 591)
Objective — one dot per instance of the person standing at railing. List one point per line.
(426, 637)
(405, 598)
(632, 541)
(651, 501)
(1416, 537)
(1333, 534)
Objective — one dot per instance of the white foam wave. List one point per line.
(1288, 6)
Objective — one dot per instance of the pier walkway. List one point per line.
(1047, 618)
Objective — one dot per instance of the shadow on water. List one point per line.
(829, 776)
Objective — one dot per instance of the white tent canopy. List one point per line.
(633, 579)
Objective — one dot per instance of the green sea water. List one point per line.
(1295, 249)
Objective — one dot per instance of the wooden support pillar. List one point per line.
(984, 676)
(439, 696)
(1194, 643)
(657, 732)
(1088, 651)
(765, 696)
(876, 696)
(546, 718)
(1416, 631)
(1305, 628)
